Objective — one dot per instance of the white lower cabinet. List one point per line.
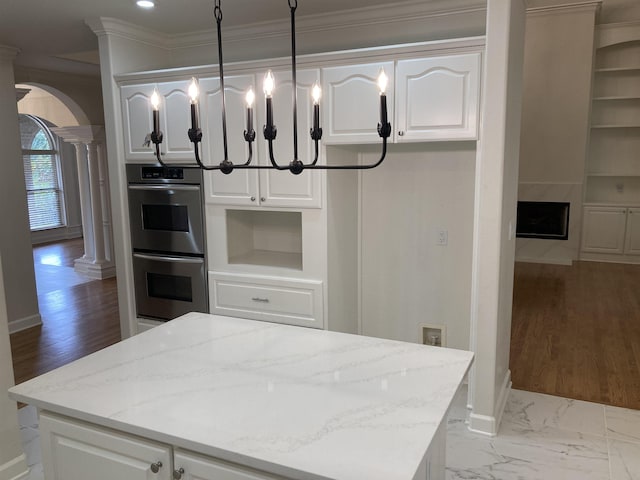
(74, 450)
(274, 299)
(611, 230)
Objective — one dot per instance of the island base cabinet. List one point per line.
(76, 451)
(198, 467)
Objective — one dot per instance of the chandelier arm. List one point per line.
(274, 164)
(353, 167)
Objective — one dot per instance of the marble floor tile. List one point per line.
(536, 410)
(625, 460)
(623, 424)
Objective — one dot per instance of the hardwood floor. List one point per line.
(78, 319)
(576, 331)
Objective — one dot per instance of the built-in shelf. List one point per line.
(619, 97)
(264, 238)
(615, 126)
(607, 174)
(617, 69)
(269, 258)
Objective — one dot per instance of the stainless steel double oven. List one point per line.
(168, 240)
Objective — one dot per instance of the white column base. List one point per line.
(15, 469)
(98, 271)
(489, 425)
(24, 323)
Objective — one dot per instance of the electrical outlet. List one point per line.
(443, 237)
(620, 187)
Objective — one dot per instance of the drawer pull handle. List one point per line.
(261, 300)
(177, 474)
(155, 467)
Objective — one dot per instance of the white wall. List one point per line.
(14, 249)
(407, 279)
(559, 46)
(42, 104)
(15, 235)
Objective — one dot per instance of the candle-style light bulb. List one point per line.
(316, 93)
(155, 100)
(250, 98)
(269, 84)
(194, 90)
(383, 81)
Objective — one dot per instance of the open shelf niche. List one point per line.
(265, 238)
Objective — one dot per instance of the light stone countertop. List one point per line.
(294, 401)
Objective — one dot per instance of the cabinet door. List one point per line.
(632, 241)
(240, 187)
(197, 467)
(72, 450)
(175, 122)
(604, 229)
(352, 102)
(438, 98)
(137, 121)
(280, 188)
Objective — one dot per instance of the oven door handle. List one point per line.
(158, 258)
(184, 188)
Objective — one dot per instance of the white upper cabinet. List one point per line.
(240, 187)
(438, 98)
(174, 121)
(137, 121)
(351, 102)
(282, 188)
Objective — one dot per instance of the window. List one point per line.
(42, 174)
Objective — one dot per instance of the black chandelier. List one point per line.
(295, 166)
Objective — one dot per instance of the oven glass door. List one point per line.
(169, 286)
(166, 218)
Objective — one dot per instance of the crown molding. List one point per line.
(8, 53)
(103, 26)
(557, 7)
(376, 16)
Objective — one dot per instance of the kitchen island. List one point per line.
(206, 396)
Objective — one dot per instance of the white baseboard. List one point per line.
(24, 323)
(15, 469)
(548, 261)
(97, 271)
(56, 234)
(489, 425)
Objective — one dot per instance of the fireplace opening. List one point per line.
(547, 220)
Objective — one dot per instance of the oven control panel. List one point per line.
(157, 174)
(152, 173)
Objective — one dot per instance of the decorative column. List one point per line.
(88, 140)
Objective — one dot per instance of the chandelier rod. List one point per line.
(293, 5)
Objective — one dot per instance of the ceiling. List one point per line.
(56, 28)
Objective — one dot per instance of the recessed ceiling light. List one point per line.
(145, 3)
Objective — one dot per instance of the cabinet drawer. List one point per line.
(295, 302)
